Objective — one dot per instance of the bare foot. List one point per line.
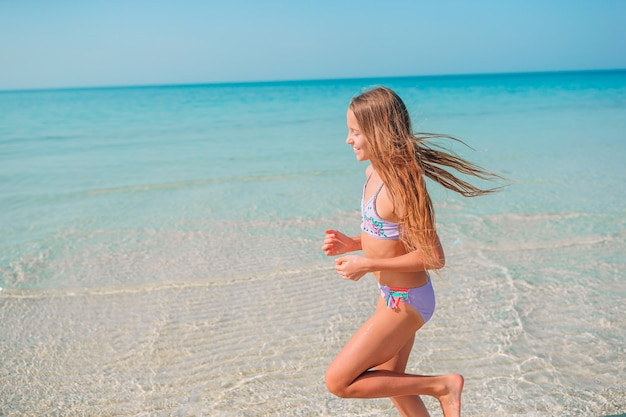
(451, 400)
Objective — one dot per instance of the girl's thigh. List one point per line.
(379, 340)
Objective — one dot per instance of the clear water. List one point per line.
(160, 247)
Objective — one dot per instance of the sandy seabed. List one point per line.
(520, 319)
(259, 345)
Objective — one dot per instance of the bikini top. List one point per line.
(372, 224)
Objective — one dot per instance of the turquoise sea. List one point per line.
(160, 247)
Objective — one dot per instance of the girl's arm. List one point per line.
(354, 267)
(336, 243)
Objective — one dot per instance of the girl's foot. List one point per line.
(451, 400)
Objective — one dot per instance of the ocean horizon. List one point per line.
(376, 79)
(160, 250)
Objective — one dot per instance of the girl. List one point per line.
(399, 244)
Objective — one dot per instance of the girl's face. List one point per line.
(356, 139)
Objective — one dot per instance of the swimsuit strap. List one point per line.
(368, 180)
(377, 192)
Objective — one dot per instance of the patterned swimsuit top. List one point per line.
(372, 224)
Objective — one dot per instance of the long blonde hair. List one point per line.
(402, 158)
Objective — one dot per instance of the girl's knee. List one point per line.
(336, 384)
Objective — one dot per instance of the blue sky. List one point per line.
(71, 43)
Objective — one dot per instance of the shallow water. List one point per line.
(160, 251)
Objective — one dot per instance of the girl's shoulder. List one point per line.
(369, 170)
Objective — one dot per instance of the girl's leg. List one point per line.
(378, 341)
(408, 405)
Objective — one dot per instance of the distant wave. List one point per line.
(209, 181)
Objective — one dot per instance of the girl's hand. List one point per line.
(336, 243)
(351, 267)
